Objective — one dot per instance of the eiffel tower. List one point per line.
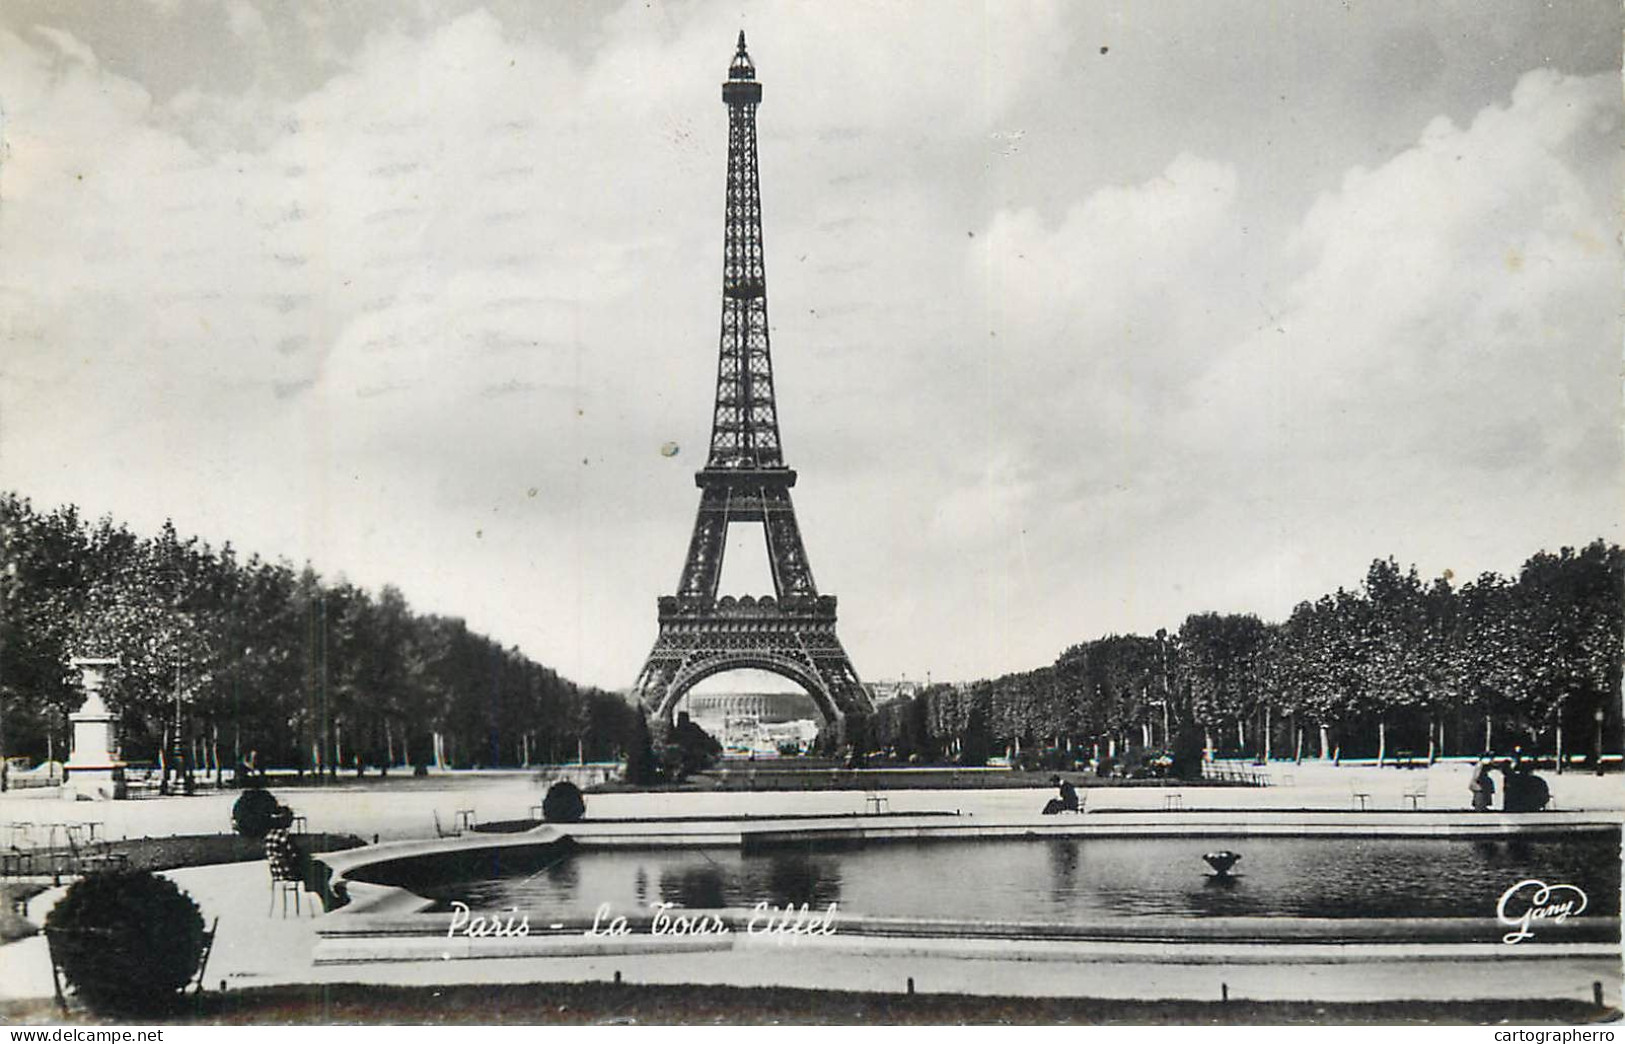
(791, 632)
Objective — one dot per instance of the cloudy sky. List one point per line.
(1085, 315)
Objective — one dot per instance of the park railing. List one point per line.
(1236, 774)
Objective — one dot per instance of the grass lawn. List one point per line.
(154, 854)
(600, 1002)
(788, 775)
(173, 853)
(183, 850)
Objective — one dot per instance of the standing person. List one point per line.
(1482, 786)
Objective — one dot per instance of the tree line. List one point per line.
(224, 656)
(1398, 667)
(221, 656)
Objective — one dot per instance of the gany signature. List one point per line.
(1530, 900)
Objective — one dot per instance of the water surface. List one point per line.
(1074, 880)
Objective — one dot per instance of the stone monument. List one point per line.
(94, 770)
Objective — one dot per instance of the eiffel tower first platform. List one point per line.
(792, 631)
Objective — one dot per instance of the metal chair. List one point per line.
(1359, 798)
(876, 803)
(1417, 795)
(18, 858)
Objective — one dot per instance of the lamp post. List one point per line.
(5, 765)
(177, 765)
(1596, 751)
(8, 579)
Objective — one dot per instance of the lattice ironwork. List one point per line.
(791, 633)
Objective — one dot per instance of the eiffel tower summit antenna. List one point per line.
(792, 631)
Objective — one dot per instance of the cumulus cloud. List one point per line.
(429, 318)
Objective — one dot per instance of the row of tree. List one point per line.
(1398, 667)
(220, 657)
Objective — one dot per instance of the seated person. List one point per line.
(1067, 802)
(280, 850)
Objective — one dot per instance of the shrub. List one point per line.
(642, 767)
(256, 812)
(563, 803)
(127, 941)
(697, 749)
(1188, 748)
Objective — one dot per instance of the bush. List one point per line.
(127, 941)
(1049, 759)
(698, 750)
(563, 803)
(1189, 746)
(642, 767)
(256, 812)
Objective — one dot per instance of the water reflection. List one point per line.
(798, 878)
(564, 874)
(1087, 880)
(696, 887)
(1063, 870)
(778, 878)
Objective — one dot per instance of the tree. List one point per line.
(1220, 665)
(1405, 667)
(690, 749)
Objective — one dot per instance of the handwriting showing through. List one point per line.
(1531, 900)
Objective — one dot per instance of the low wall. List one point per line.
(590, 774)
(1239, 940)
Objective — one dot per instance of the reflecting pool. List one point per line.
(1073, 880)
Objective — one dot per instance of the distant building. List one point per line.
(756, 723)
(883, 692)
(763, 706)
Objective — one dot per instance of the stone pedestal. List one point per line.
(94, 770)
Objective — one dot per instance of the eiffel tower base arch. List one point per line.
(796, 641)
